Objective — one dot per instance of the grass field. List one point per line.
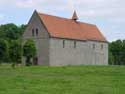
(62, 80)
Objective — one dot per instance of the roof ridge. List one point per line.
(53, 16)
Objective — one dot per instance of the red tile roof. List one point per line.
(70, 29)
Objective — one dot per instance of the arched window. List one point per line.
(102, 46)
(93, 46)
(63, 43)
(74, 44)
(36, 31)
(32, 32)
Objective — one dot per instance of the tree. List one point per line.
(3, 49)
(15, 52)
(22, 29)
(111, 59)
(123, 52)
(117, 49)
(9, 31)
(29, 51)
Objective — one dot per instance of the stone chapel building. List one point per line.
(61, 41)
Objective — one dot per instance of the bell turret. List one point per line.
(75, 17)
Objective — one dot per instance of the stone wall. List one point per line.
(85, 53)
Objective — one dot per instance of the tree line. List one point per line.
(117, 52)
(12, 51)
(11, 48)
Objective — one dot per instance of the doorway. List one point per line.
(35, 61)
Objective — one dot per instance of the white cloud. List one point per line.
(41, 4)
(7, 3)
(25, 4)
(47, 6)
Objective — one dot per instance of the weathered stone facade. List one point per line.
(84, 53)
(41, 40)
(61, 52)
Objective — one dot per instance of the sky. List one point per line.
(108, 15)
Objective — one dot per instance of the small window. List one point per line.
(36, 31)
(102, 47)
(93, 46)
(63, 43)
(32, 32)
(74, 44)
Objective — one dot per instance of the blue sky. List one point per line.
(108, 15)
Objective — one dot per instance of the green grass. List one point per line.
(62, 80)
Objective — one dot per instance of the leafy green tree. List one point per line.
(123, 52)
(15, 52)
(29, 51)
(22, 29)
(117, 49)
(3, 49)
(9, 31)
(111, 59)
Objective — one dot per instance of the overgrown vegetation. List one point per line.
(29, 51)
(11, 49)
(3, 50)
(15, 52)
(10, 43)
